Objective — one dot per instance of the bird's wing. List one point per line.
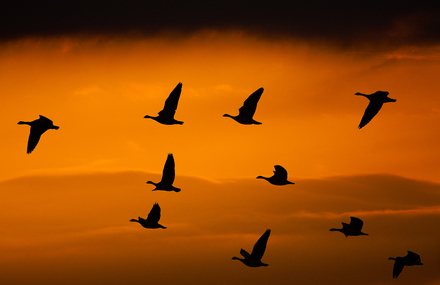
(344, 225)
(168, 173)
(413, 256)
(371, 111)
(46, 120)
(244, 253)
(356, 223)
(280, 171)
(169, 109)
(398, 267)
(260, 246)
(250, 104)
(154, 215)
(34, 138)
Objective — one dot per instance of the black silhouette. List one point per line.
(247, 111)
(152, 221)
(352, 229)
(254, 259)
(168, 176)
(166, 116)
(279, 176)
(376, 101)
(410, 259)
(38, 127)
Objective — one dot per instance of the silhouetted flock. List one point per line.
(245, 117)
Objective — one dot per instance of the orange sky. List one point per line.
(67, 205)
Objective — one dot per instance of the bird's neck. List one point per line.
(262, 177)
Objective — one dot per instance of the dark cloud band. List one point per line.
(342, 23)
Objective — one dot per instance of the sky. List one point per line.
(97, 68)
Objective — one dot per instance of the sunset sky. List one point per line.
(97, 68)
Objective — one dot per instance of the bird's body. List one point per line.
(152, 221)
(279, 176)
(376, 101)
(410, 259)
(166, 116)
(247, 111)
(352, 229)
(38, 127)
(168, 175)
(254, 259)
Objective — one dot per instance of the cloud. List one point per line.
(75, 228)
(346, 23)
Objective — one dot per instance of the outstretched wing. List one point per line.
(34, 138)
(260, 246)
(413, 256)
(371, 111)
(168, 173)
(250, 104)
(244, 253)
(45, 121)
(398, 267)
(280, 172)
(154, 215)
(169, 109)
(356, 223)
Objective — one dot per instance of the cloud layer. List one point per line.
(75, 228)
(345, 23)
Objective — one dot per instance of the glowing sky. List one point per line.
(66, 207)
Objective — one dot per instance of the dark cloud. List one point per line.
(343, 23)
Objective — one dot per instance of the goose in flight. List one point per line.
(279, 176)
(168, 176)
(352, 229)
(376, 101)
(410, 259)
(247, 111)
(38, 127)
(166, 116)
(254, 259)
(152, 221)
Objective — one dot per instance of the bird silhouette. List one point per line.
(352, 229)
(168, 176)
(376, 101)
(410, 259)
(247, 111)
(152, 221)
(254, 259)
(38, 127)
(166, 116)
(279, 176)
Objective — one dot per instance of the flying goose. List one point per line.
(279, 176)
(376, 101)
(168, 176)
(166, 116)
(247, 111)
(152, 221)
(38, 127)
(254, 259)
(352, 229)
(410, 259)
